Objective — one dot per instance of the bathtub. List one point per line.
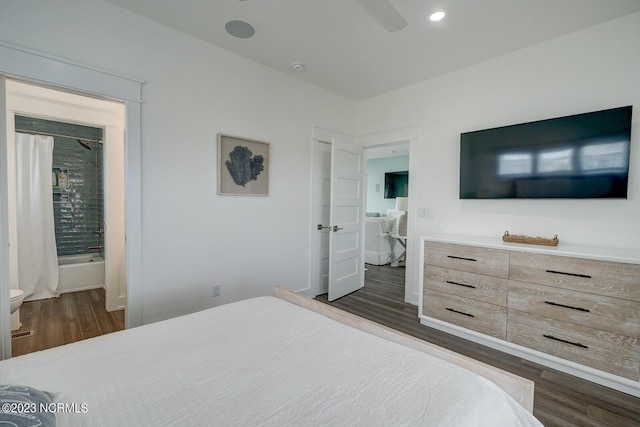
(80, 272)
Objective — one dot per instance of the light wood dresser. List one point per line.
(572, 308)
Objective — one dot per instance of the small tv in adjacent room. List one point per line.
(396, 184)
(575, 157)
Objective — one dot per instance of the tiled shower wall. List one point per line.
(78, 209)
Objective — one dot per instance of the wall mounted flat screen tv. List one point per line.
(580, 156)
(396, 184)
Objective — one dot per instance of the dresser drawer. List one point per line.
(606, 351)
(468, 285)
(594, 311)
(479, 316)
(613, 279)
(492, 262)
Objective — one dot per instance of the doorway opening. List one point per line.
(387, 196)
(397, 140)
(87, 183)
(384, 231)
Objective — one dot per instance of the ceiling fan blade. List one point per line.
(385, 14)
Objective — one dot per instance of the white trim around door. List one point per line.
(58, 73)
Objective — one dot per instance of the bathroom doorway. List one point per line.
(87, 176)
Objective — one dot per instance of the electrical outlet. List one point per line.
(426, 213)
(215, 290)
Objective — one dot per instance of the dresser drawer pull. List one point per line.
(462, 258)
(567, 306)
(460, 284)
(460, 312)
(569, 274)
(577, 344)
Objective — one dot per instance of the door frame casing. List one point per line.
(59, 73)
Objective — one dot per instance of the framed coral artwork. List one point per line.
(243, 166)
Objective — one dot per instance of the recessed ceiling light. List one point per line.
(298, 66)
(239, 29)
(437, 16)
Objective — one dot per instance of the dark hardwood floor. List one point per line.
(560, 400)
(56, 321)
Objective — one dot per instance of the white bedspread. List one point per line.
(261, 361)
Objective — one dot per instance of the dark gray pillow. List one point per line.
(20, 406)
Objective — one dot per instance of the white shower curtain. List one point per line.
(37, 254)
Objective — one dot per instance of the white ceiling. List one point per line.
(346, 51)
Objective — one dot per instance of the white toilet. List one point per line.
(17, 296)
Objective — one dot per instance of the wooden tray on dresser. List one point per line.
(516, 238)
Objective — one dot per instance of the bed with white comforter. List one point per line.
(262, 361)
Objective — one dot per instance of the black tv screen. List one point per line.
(396, 184)
(579, 156)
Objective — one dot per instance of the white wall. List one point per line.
(192, 237)
(589, 70)
(376, 168)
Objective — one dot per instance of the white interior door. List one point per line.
(323, 215)
(346, 237)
